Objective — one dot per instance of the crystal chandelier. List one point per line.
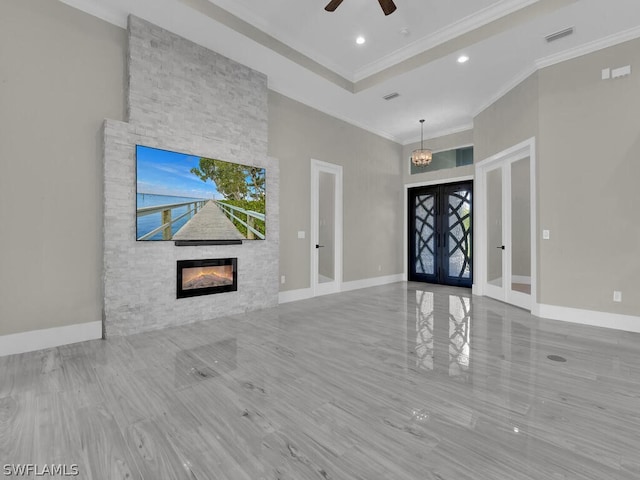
(421, 157)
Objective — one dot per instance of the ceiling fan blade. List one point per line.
(388, 7)
(332, 5)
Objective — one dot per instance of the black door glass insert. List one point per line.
(440, 234)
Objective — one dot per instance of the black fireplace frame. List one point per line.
(210, 262)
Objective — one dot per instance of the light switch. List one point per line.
(546, 234)
(301, 234)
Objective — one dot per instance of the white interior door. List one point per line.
(506, 215)
(326, 227)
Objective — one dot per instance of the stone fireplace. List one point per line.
(183, 97)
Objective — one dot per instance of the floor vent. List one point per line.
(556, 358)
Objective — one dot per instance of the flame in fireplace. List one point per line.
(205, 277)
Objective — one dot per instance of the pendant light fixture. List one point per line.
(421, 157)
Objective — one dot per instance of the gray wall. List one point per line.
(61, 74)
(507, 122)
(185, 98)
(588, 145)
(588, 175)
(372, 191)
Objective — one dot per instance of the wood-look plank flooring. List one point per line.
(403, 382)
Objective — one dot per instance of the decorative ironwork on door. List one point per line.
(459, 237)
(425, 231)
(440, 223)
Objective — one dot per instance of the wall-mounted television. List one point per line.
(188, 198)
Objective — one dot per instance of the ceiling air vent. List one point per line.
(558, 35)
(391, 96)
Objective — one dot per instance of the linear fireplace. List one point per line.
(205, 277)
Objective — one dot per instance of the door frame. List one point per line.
(504, 159)
(440, 194)
(405, 229)
(335, 286)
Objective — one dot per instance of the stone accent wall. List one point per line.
(185, 98)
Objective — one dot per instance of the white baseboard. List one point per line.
(627, 323)
(48, 338)
(304, 293)
(371, 282)
(294, 295)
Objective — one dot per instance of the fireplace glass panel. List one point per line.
(205, 277)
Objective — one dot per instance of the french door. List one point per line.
(440, 234)
(506, 260)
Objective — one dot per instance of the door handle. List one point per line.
(319, 246)
(501, 247)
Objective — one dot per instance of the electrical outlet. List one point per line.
(301, 234)
(617, 296)
(546, 234)
(282, 279)
(379, 268)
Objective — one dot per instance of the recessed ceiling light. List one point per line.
(360, 40)
(463, 59)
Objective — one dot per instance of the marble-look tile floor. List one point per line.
(402, 382)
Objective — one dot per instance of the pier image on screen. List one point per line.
(187, 197)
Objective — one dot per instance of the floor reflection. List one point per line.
(492, 364)
(442, 333)
(205, 362)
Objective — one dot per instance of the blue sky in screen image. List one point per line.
(161, 172)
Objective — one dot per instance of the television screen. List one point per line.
(192, 198)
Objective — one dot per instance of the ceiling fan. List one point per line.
(388, 7)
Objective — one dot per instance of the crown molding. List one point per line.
(563, 56)
(100, 11)
(460, 27)
(246, 15)
(441, 133)
(451, 131)
(119, 18)
(456, 29)
(350, 121)
(506, 88)
(590, 47)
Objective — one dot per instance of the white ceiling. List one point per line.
(310, 55)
